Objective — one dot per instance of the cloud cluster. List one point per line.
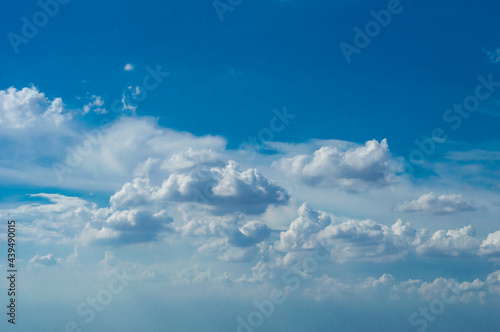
(138, 211)
(456, 292)
(355, 169)
(68, 220)
(222, 190)
(171, 185)
(25, 108)
(432, 204)
(59, 150)
(302, 231)
(95, 105)
(455, 242)
(65, 218)
(235, 238)
(368, 240)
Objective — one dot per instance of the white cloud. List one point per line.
(57, 221)
(456, 292)
(130, 141)
(491, 246)
(106, 157)
(25, 108)
(180, 185)
(95, 105)
(70, 220)
(368, 240)
(184, 191)
(356, 169)
(202, 224)
(47, 260)
(359, 240)
(432, 204)
(221, 189)
(256, 230)
(486, 291)
(457, 242)
(251, 233)
(348, 240)
(128, 67)
(128, 106)
(302, 231)
(128, 226)
(138, 211)
(191, 158)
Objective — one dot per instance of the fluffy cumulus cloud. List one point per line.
(225, 237)
(432, 204)
(348, 240)
(359, 240)
(222, 190)
(355, 169)
(368, 240)
(491, 246)
(209, 201)
(457, 242)
(25, 108)
(302, 231)
(201, 224)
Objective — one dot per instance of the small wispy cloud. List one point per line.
(95, 105)
(128, 67)
(47, 260)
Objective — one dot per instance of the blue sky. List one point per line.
(200, 159)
